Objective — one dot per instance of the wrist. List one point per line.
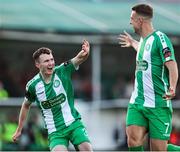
(172, 90)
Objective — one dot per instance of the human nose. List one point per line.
(51, 62)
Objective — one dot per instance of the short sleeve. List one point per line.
(29, 95)
(166, 48)
(66, 67)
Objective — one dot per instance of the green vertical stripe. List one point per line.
(50, 93)
(140, 97)
(139, 76)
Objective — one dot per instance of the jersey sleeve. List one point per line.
(29, 95)
(166, 48)
(66, 67)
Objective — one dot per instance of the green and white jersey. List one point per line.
(56, 99)
(151, 76)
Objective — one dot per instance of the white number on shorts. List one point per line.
(167, 127)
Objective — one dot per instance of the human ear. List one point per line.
(37, 64)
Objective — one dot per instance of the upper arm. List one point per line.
(166, 48)
(29, 94)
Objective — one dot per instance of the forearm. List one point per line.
(173, 74)
(23, 115)
(77, 60)
(135, 44)
(82, 55)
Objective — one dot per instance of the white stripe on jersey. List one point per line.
(164, 44)
(162, 39)
(135, 92)
(66, 110)
(149, 96)
(48, 116)
(165, 86)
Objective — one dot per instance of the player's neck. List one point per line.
(147, 30)
(46, 77)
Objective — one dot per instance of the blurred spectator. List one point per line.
(175, 136)
(33, 138)
(3, 92)
(8, 129)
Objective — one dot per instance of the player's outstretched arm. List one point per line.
(82, 55)
(22, 118)
(126, 40)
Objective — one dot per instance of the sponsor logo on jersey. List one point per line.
(54, 101)
(56, 83)
(141, 65)
(40, 92)
(166, 52)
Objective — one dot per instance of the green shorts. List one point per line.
(75, 133)
(158, 121)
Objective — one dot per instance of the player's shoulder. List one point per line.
(33, 81)
(160, 34)
(63, 65)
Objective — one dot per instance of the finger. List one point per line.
(165, 98)
(86, 43)
(123, 36)
(122, 39)
(14, 139)
(168, 97)
(84, 47)
(124, 46)
(84, 53)
(122, 43)
(126, 33)
(128, 36)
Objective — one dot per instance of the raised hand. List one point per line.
(85, 48)
(125, 40)
(82, 55)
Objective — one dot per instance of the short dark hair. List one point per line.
(42, 50)
(144, 10)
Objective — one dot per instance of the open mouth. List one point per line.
(50, 69)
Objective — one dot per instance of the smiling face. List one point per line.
(46, 64)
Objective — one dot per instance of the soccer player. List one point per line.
(156, 76)
(52, 90)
